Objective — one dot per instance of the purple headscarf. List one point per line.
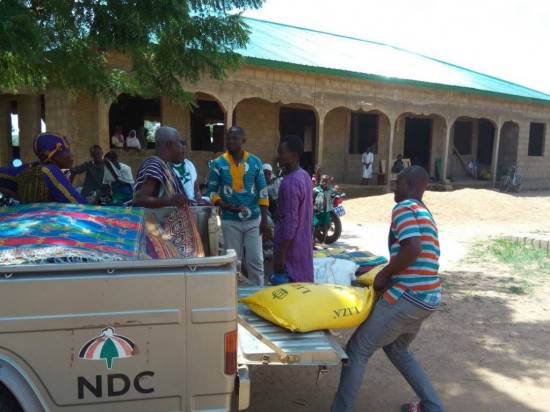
(47, 146)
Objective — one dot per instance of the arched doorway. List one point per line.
(417, 140)
(302, 123)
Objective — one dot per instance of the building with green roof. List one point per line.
(340, 95)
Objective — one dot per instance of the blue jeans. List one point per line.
(393, 328)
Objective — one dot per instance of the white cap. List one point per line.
(267, 166)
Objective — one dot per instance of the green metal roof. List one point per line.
(295, 48)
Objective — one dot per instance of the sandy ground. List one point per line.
(486, 349)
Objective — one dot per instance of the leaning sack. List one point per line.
(304, 307)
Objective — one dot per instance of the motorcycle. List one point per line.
(334, 229)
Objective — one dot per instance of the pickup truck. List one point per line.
(137, 334)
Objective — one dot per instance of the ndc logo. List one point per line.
(109, 346)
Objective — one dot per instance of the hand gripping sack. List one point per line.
(368, 277)
(304, 307)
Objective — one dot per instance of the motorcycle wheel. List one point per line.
(334, 230)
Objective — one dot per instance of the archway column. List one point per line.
(446, 152)
(393, 125)
(104, 137)
(495, 151)
(320, 139)
(229, 109)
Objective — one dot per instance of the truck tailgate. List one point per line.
(311, 348)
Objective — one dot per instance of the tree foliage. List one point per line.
(68, 44)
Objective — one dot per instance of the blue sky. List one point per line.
(509, 39)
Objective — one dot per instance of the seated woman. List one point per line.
(132, 141)
(44, 180)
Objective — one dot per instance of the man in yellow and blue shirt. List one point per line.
(237, 185)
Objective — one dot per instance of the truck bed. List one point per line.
(312, 348)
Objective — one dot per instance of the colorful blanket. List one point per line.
(365, 260)
(61, 233)
(176, 237)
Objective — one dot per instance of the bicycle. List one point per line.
(512, 179)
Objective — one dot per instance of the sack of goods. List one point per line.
(304, 307)
(367, 278)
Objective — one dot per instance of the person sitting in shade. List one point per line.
(93, 186)
(44, 180)
(398, 165)
(118, 176)
(117, 139)
(132, 141)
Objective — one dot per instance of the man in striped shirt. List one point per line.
(411, 292)
(236, 183)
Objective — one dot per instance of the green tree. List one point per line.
(67, 44)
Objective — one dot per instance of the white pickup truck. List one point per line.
(139, 335)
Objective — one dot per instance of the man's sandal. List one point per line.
(411, 407)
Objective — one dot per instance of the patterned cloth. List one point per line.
(176, 237)
(365, 260)
(62, 233)
(39, 182)
(412, 219)
(242, 184)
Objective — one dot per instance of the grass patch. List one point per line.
(521, 257)
(530, 265)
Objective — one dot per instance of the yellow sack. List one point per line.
(303, 307)
(367, 278)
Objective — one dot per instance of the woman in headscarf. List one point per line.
(44, 180)
(132, 141)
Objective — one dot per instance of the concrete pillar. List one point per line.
(445, 157)
(59, 113)
(320, 140)
(29, 111)
(229, 109)
(393, 125)
(103, 107)
(495, 151)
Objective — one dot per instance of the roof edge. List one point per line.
(255, 61)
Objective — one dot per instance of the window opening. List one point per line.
(536, 139)
(207, 126)
(135, 113)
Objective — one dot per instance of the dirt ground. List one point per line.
(486, 349)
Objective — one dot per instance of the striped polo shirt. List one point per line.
(420, 280)
(238, 184)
